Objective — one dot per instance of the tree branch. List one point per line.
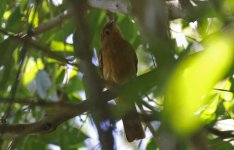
(49, 123)
(222, 134)
(113, 5)
(34, 44)
(174, 9)
(56, 21)
(100, 112)
(68, 111)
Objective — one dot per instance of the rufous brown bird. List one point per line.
(118, 63)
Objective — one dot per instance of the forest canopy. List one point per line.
(53, 94)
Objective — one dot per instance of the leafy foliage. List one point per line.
(196, 93)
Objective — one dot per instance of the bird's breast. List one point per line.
(118, 64)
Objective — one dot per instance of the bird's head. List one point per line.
(110, 31)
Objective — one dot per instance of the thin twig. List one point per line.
(67, 111)
(33, 43)
(222, 134)
(12, 144)
(16, 83)
(173, 7)
(223, 90)
(56, 21)
(148, 124)
(21, 63)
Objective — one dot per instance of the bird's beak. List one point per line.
(114, 20)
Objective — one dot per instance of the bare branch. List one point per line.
(222, 134)
(68, 111)
(99, 109)
(34, 44)
(34, 103)
(12, 144)
(113, 6)
(174, 9)
(56, 21)
(149, 125)
(49, 123)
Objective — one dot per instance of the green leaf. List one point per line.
(67, 137)
(152, 145)
(74, 84)
(33, 18)
(60, 46)
(23, 4)
(31, 70)
(194, 77)
(7, 62)
(14, 23)
(59, 33)
(219, 144)
(2, 9)
(208, 114)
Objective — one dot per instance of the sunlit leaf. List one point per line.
(152, 145)
(33, 18)
(228, 6)
(23, 4)
(225, 85)
(229, 107)
(208, 114)
(60, 46)
(31, 70)
(194, 77)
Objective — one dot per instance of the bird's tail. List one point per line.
(132, 125)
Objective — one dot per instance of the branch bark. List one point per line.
(34, 44)
(68, 111)
(49, 123)
(56, 21)
(93, 85)
(174, 10)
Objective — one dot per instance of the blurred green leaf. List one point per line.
(152, 145)
(33, 18)
(14, 23)
(96, 20)
(7, 62)
(2, 9)
(194, 77)
(60, 76)
(23, 4)
(208, 114)
(59, 33)
(61, 46)
(74, 85)
(228, 7)
(68, 138)
(229, 107)
(129, 30)
(31, 70)
(220, 144)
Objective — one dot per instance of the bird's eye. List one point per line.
(107, 32)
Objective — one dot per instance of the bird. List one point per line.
(118, 64)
